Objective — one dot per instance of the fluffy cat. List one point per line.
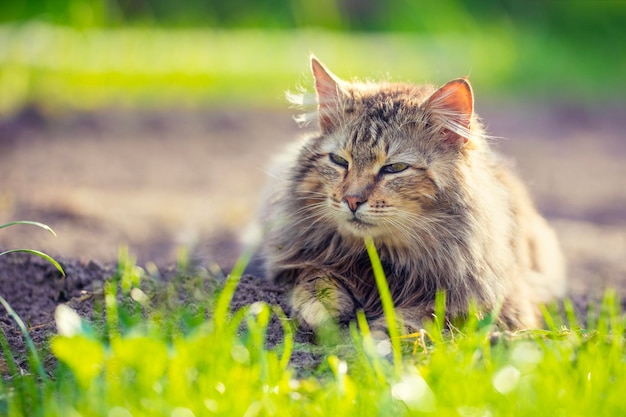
(410, 167)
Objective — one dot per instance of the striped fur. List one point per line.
(454, 220)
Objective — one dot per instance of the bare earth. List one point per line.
(159, 181)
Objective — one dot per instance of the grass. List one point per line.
(60, 68)
(33, 251)
(152, 351)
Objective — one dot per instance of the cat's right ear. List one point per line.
(329, 92)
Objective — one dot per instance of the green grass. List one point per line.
(152, 351)
(33, 251)
(59, 68)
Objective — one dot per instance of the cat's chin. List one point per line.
(355, 232)
(358, 229)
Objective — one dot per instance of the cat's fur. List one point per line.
(454, 220)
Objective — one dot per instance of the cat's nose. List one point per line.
(354, 201)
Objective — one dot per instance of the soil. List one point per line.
(159, 181)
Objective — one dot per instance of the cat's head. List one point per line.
(386, 154)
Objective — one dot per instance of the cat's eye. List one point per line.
(394, 168)
(336, 159)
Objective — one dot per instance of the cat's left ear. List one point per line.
(452, 107)
(329, 93)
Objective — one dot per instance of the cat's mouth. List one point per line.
(356, 227)
(355, 221)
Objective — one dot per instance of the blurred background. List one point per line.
(149, 123)
(84, 54)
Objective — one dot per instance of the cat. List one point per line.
(410, 167)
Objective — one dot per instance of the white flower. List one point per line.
(506, 379)
(415, 392)
(68, 321)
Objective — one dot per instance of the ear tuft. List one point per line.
(452, 107)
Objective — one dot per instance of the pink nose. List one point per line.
(354, 201)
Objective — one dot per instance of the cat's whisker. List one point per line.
(408, 233)
(271, 175)
(321, 205)
(310, 198)
(319, 211)
(311, 192)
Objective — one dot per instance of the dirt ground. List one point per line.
(159, 181)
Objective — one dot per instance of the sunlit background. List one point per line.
(85, 54)
(151, 123)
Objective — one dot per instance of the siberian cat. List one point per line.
(410, 167)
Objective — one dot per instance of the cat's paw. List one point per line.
(379, 329)
(318, 301)
(314, 314)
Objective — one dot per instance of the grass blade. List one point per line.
(29, 342)
(37, 253)
(8, 355)
(223, 302)
(287, 338)
(37, 224)
(387, 302)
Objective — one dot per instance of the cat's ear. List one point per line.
(451, 107)
(329, 93)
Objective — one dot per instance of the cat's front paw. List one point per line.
(318, 301)
(313, 314)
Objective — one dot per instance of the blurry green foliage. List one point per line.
(581, 19)
(88, 54)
